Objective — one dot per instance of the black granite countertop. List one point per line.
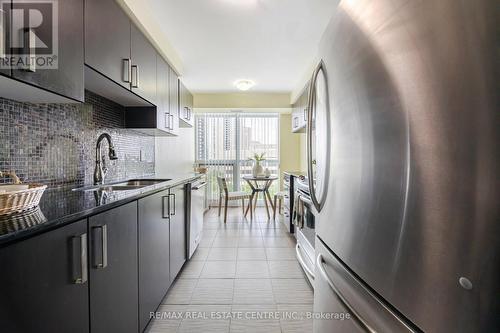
(62, 205)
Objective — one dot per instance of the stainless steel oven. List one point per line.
(305, 223)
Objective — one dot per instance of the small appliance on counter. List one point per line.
(19, 197)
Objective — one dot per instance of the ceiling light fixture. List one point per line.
(244, 84)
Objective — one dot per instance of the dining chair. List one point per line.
(226, 195)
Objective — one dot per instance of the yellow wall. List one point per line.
(289, 146)
(242, 100)
(303, 151)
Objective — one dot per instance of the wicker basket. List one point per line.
(21, 200)
(21, 221)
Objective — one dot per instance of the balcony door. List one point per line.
(225, 142)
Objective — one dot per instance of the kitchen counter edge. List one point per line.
(52, 224)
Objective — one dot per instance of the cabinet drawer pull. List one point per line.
(171, 204)
(167, 120)
(171, 122)
(80, 277)
(126, 70)
(135, 76)
(163, 214)
(29, 48)
(102, 261)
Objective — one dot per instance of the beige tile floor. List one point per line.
(244, 268)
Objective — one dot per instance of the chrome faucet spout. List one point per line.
(100, 170)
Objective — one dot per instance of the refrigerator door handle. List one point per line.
(311, 107)
(355, 315)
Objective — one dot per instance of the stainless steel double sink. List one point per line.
(129, 185)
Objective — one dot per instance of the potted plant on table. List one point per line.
(257, 169)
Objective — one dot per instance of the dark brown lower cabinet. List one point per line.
(102, 274)
(154, 254)
(43, 287)
(113, 270)
(177, 209)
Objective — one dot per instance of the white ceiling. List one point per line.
(271, 42)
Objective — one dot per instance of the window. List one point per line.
(226, 141)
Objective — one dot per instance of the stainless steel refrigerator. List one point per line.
(403, 157)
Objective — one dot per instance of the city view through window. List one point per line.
(225, 142)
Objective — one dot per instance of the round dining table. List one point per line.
(258, 185)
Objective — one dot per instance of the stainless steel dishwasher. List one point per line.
(195, 226)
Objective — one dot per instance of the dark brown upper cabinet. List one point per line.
(174, 93)
(58, 40)
(116, 49)
(143, 68)
(162, 119)
(186, 116)
(107, 40)
(167, 117)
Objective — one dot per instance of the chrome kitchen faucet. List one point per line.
(100, 167)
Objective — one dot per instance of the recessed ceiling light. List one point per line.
(244, 84)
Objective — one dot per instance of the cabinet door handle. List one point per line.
(103, 260)
(126, 70)
(305, 114)
(30, 44)
(163, 214)
(80, 277)
(167, 120)
(135, 76)
(295, 122)
(171, 122)
(199, 186)
(172, 196)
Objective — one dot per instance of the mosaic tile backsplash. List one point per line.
(54, 144)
